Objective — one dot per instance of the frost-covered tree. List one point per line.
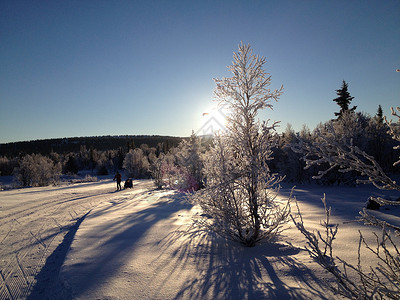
(240, 193)
(167, 173)
(382, 282)
(381, 144)
(189, 157)
(351, 128)
(169, 170)
(136, 163)
(156, 170)
(37, 170)
(104, 163)
(288, 162)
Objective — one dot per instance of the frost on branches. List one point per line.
(189, 158)
(37, 170)
(181, 168)
(240, 194)
(135, 163)
(382, 282)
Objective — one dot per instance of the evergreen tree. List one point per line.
(343, 100)
(379, 115)
(130, 145)
(71, 166)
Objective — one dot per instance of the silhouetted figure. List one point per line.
(128, 184)
(118, 177)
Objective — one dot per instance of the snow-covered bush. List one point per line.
(136, 165)
(90, 178)
(37, 170)
(86, 178)
(175, 176)
(181, 168)
(156, 170)
(189, 157)
(240, 191)
(164, 171)
(104, 164)
(384, 281)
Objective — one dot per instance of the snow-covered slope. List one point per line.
(141, 244)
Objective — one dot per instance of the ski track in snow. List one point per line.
(142, 244)
(33, 223)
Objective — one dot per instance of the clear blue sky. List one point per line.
(88, 68)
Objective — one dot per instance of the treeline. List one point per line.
(179, 163)
(41, 162)
(369, 133)
(134, 159)
(100, 143)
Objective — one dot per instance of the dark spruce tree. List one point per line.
(343, 100)
(71, 166)
(379, 115)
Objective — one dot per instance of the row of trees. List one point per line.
(183, 166)
(369, 133)
(178, 167)
(24, 167)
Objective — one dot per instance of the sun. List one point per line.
(213, 120)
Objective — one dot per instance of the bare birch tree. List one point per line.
(240, 194)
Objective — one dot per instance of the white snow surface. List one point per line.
(85, 241)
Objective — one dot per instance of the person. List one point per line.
(118, 177)
(128, 184)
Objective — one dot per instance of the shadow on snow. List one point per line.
(228, 270)
(125, 233)
(222, 269)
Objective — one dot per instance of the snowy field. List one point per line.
(85, 241)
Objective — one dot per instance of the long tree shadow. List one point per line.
(48, 284)
(227, 270)
(116, 238)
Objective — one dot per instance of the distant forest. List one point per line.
(100, 143)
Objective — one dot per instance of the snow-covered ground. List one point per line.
(34, 223)
(85, 241)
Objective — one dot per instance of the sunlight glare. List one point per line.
(213, 120)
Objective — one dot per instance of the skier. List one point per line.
(118, 177)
